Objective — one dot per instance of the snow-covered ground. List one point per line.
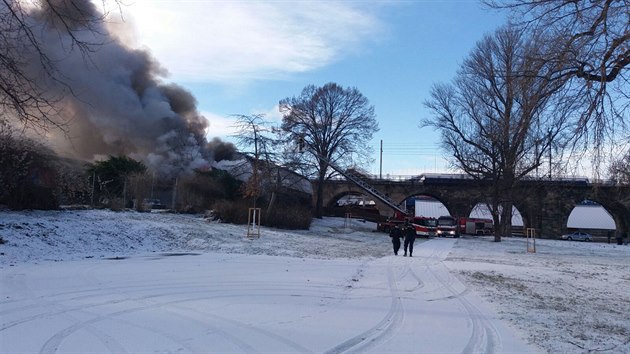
(101, 281)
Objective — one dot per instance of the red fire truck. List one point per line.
(447, 226)
(476, 226)
(424, 226)
(397, 220)
(450, 226)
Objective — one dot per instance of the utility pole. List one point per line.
(380, 171)
(550, 146)
(92, 195)
(537, 159)
(125, 191)
(174, 195)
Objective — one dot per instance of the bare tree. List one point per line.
(272, 167)
(253, 137)
(28, 172)
(592, 38)
(112, 176)
(73, 185)
(619, 169)
(27, 69)
(500, 116)
(332, 124)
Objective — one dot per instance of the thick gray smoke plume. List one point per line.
(114, 98)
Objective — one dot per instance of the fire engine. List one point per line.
(398, 219)
(450, 226)
(447, 226)
(424, 226)
(476, 226)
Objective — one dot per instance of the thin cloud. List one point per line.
(272, 115)
(224, 127)
(220, 126)
(235, 42)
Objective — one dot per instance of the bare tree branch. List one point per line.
(333, 122)
(592, 38)
(28, 70)
(501, 115)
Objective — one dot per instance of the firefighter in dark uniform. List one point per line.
(410, 238)
(395, 233)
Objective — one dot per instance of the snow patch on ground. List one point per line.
(567, 297)
(572, 297)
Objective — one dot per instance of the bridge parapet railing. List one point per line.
(387, 178)
(609, 182)
(419, 178)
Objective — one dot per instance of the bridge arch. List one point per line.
(619, 212)
(591, 217)
(544, 205)
(481, 210)
(335, 199)
(525, 217)
(424, 198)
(457, 204)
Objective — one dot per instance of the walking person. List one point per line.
(410, 238)
(395, 233)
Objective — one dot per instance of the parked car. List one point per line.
(578, 236)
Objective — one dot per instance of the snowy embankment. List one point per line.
(566, 297)
(77, 234)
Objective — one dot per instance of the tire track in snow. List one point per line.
(419, 281)
(226, 322)
(484, 337)
(82, 301)
(55, 341)
(383, 329)
(318, 291)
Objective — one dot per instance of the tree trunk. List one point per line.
(495, 211)
(319, 203)
(506, 217)
(272, 201)
(271, 205)
(319, 210)
(496, 219)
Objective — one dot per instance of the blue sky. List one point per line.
(242, 57)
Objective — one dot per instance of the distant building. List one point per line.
(242, 169)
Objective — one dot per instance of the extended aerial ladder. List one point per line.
(366, 187)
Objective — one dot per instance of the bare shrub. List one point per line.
(234, 212)
(111, 178)
(72, 184)
(139, 188)
(117, 204)
(289, 217)
(286, 216)
(202, 190)
(27, 172)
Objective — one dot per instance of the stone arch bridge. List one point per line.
(544, 205)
